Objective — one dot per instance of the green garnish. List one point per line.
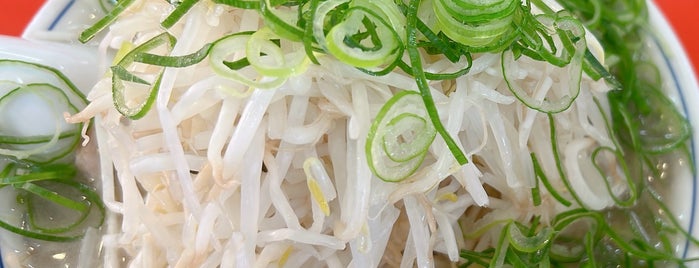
(105, 21)
(378, 37)
(120, 75)
(177, 14)
(399, 137)
(37, 165)
(38, 148)
(640, 229)
(374, 36)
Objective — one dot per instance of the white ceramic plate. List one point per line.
(55, 28)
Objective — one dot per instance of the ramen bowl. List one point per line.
(59, 22)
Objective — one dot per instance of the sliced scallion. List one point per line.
(399, 137)
(121, 75)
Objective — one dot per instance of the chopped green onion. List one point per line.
(531, 243)
(559, 163)
(120, 75)
(621, 161)
(24, 73)
(42, 173)
(541, 176)
(239, 3)
(280, 22)
(37, 164)
(53, 196)
(174, 61)
(260, 48)
(30, 143)
(399, 137)
(422, 85)
(177, 14)
(387, 44)
(231, 44)
(571, 32)
(307, 38)
(105, 21)
(475, 23)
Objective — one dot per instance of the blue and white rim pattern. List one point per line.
(52, 25)
(684, 101)
(63, 20)
(60, 15)
(683, 78)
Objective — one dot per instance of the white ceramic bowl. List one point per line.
(680, 82)
(76, 62)
(50, 40)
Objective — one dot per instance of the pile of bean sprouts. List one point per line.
(219, 174)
